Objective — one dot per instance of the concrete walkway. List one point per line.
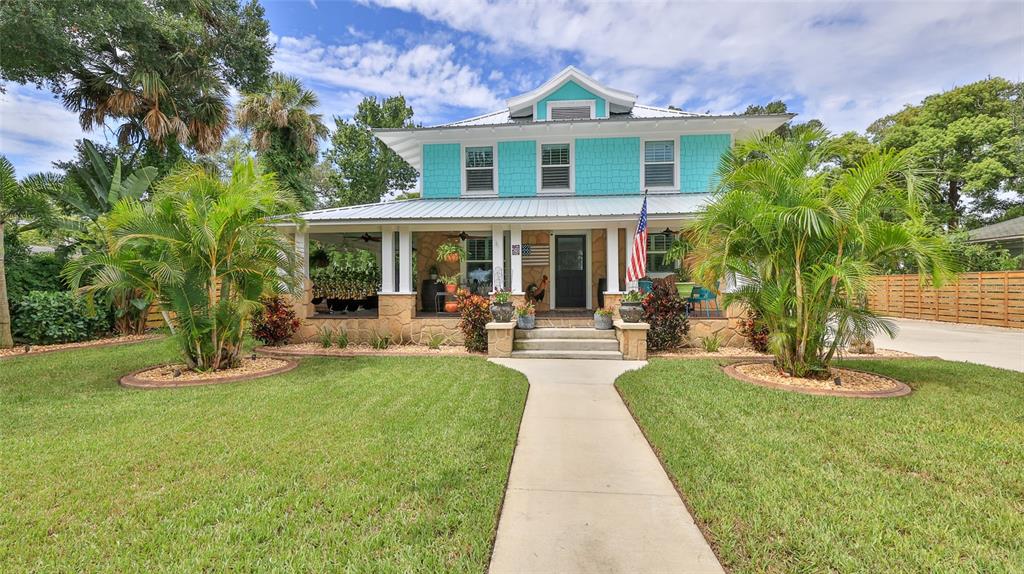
(586, 492)
(993, 346)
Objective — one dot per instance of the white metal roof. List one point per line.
(513, 209)
(503, 117)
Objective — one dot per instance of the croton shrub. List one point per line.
(276, 322)
(665, 311)
(475, 312)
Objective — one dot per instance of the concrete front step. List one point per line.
(565, 345)
(537, 354)
(564, 333)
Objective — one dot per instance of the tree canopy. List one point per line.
(971, 139)
(162, 68)
(366, 169)
(285, 132)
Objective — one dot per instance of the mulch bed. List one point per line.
(359, 350)
(855, 384)
(747, 354)
(178, 375)
(19, 350)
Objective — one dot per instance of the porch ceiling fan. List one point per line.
(462, 236)
(366, 237)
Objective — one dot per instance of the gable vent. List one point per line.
(570, 112)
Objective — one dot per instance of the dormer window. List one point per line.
(480, 169)
(572, 110)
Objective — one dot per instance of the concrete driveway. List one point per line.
(993, 346)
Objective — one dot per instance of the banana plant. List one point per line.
(103, 187)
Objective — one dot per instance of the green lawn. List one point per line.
(361, 465)
(932, 482)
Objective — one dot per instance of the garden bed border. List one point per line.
(83, 345)
(902, 389)
(131, 380)
(281, 354)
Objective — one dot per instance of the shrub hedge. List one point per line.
(45, 317)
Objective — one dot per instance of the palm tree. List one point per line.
(806, 236)
(24, 206)
(201, 248)
(285, 131)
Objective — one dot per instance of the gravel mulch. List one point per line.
(19, 350)
(178, 375)
(854, 383)
(313, 349)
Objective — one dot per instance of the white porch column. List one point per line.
(612, 259)
(498, 257)
(404, 260)
(302, 253)
(516, 237)
(630, 234)
(387, 259)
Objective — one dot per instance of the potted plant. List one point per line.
(684, 286)
(603, 319)
(450, 252)
(526, 316)
(501, 306)
(451, 282)
(632, 308)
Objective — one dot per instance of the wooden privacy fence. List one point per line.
(985, 298)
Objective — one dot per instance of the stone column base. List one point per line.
(632, 340)
(499, 338)
(612, 301)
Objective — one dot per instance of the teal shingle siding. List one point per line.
(571, 91)
(517, 168)
(607, 166)
(442, 170)
(698, 162)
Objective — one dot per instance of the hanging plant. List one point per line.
(451, 252)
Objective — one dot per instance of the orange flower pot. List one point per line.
(452, 258)
(451, 307)
(450, 289)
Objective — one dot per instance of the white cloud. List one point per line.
(36, 130)
(849, 63)
(426, 74)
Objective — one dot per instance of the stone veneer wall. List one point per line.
(425, 255)
(396, 317)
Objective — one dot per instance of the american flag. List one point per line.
(638, 258)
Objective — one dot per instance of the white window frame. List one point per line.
(464, 263)
(649, 252)
(465, 180)
(572, 167)
(675, 164)
(592, 104)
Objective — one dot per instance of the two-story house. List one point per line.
(544, 193)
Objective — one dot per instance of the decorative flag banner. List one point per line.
(536, 254)
(637, 268)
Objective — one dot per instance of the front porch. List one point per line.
(567, 256)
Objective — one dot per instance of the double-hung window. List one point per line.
(555, 166)
(480, 169)
(479, 265)
(660, 164)
(657, 245)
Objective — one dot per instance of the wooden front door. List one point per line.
(570, 271)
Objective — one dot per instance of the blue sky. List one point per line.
(845, 63)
